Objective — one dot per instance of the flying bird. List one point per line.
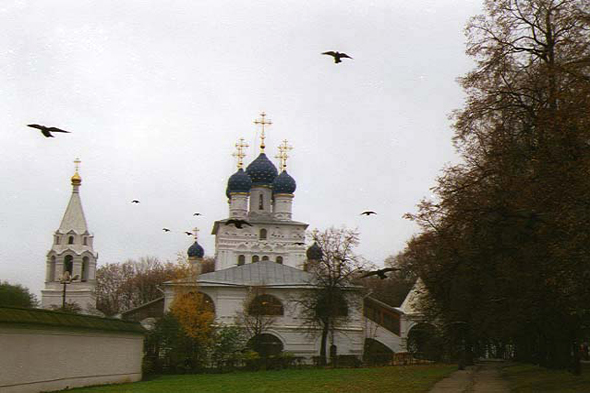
(380, 272)
(368, 212)
(197, 214)
(188, 233)
(135, 201)
(166, 229)
(337, 56)
(237, 223)
(46, 131)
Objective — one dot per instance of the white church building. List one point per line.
(267, 257)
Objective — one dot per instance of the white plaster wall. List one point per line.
(35, 360)
(384, 336)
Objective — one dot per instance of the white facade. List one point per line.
(230, 289)
(73, 251)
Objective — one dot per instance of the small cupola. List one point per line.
(239, 182)
(284, 184)
(195, 251)
(314, 252)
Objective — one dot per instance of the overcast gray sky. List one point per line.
(156, 93)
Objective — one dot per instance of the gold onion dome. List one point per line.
(76, 179)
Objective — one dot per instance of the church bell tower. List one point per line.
(70, 272)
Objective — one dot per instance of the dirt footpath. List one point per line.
(481, 378)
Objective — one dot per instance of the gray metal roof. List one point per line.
(266, 273)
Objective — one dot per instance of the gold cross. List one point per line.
(282, 156)
(77, 162)
(262, 121)
(240, 152)
(196, 232)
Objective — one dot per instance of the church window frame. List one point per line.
(85, 269)
(279, 260)
(85, 241)
(255, 258)
(52, 263)
(68, 265)
(241, 260)
(261, 201)
(205, 303)
(70, 239)
(265, 258)
(266, 305)
(57, 240)
(263, 234)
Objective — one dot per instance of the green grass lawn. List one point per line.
(526, 378)
(380, 379)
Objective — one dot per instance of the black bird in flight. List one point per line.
(188, 233)
(368, 212)
(380, 272)
(166, 229)
(197, 214)
(135, 201)
(337, 56)
(46, 131)
(237, 223)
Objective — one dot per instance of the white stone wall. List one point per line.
(35, 360)
(288, 328)
(231, 242)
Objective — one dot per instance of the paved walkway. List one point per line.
(481, 378)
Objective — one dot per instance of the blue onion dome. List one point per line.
(195, 251)
(238, 182)
(262, 171)
(284, 184)
(314, 252)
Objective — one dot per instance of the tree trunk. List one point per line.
(324, 343)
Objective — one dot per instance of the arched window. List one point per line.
(265, 258)
(71, 240)
(261, 202)
(197, 300)
(280, 260)
(69, 264)
(85, 267)
(255, 258)
(262, 234)
(332, 303)
(85, 241)
(57, 240)
(266, 345)
(51, 276)
(241, 260)
(265, 305)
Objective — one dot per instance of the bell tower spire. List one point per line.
(71, 254)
